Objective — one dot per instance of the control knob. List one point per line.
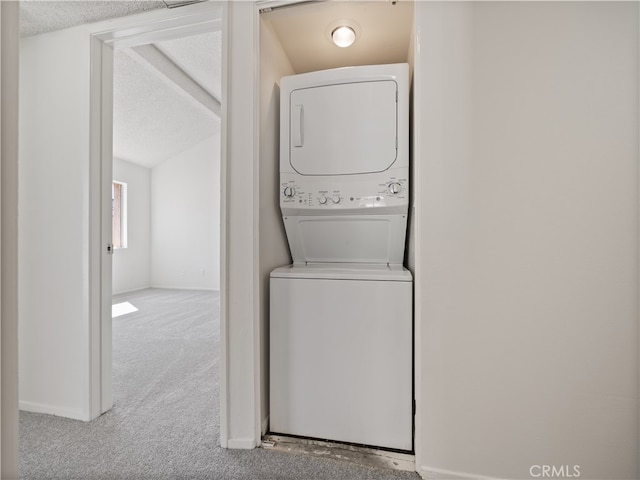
(395, 188)
(289, 192)
(335, 199)
(323, 200)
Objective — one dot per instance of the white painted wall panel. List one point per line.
(527, 231)
(53, 222)
(132, 265)
(185, 219)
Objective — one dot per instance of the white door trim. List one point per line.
(240, 420)
(175, 23)
(224, 274)
(9, 42)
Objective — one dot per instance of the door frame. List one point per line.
(9, 61)
(175, 23)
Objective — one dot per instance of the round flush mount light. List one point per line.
(343, 36)
(343, 32)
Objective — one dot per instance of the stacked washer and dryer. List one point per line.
(341, 352)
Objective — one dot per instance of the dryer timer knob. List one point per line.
(289, 192)
(395, 188)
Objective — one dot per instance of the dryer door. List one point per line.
(343, 129)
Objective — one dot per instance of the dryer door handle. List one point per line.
(297, 126)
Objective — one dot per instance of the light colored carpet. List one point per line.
(165, 422)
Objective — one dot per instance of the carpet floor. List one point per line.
(165, 422)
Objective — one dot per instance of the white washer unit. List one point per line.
(341, 315)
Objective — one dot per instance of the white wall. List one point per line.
(173, 222)
(527, 253)
(185, 219)
(9, 172)
(132, 265)
(53, 222)
(274, 251)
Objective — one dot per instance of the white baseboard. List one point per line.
(131, 290)
(241, 443)
(432, 473)
(265, 424)
(186, 288)
(51, 410)
(138, 289)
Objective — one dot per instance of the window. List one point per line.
(119, 214)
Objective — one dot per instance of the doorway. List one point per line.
(157, 47)
(165, 232)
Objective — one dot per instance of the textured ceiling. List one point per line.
(198, 56)
(383, 33)
(154, 118)
(46, 16)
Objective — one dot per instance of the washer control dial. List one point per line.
(335, 199)
(289, 192)
(395, 188)
(322, 200)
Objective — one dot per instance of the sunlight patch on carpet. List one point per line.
(122, 309)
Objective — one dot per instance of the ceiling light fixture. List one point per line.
(343, 36)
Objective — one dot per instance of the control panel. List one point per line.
(320, 194)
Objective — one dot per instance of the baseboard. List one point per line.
(241, 443)
(265, 425)
(137, 289)
(51, 410)
(431, 473)
(186, 288)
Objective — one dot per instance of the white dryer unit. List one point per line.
(344, 164)
(341, 315)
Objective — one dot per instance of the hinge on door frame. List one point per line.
(109, 248)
